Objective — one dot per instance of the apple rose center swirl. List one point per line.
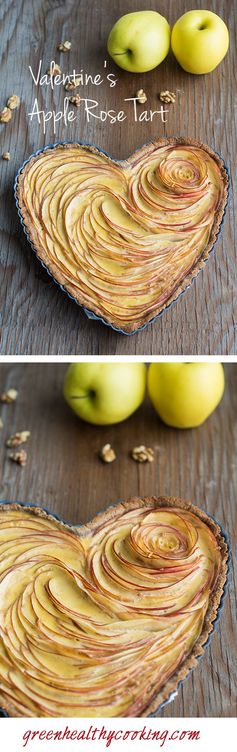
(122, 236)
(94, 626)
(154, 540)
(184, 175)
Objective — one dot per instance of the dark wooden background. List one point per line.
(64, 473)
(36, 316)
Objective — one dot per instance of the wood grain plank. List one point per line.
(36, 316)
(64, 473)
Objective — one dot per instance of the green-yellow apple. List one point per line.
(139, 41)
(185, 394)
(105, 393)
(199, 40)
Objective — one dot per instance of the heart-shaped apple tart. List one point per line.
(106, 619)
(123, 238)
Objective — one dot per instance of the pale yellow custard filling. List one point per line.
(121, 237)
(95, 626)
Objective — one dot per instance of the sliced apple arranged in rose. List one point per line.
(105, 620)
(124, 238)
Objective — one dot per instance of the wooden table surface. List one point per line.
(37, 317)
(64, 473)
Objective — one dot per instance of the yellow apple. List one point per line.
(105, 393)
(199, 40)
(185, 394)
(139, 41)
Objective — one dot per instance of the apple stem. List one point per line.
(119, 54)
(88, 394)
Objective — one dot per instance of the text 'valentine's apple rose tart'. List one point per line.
(124, 238)
(105, 620)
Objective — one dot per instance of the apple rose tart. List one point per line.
(106, 619)
(123, 238)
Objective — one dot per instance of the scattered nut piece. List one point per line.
(9, 396)
(54, 70)
(72, 84)
(19, 457)
(142, 454)
(6, 156)
(64, 46)
(76, 100)
(13, 102)
(5, 115)
(18, 438)
(141, 96)
(167, 96)
(107, 454)
(1, 424)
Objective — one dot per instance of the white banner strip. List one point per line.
(118, 735)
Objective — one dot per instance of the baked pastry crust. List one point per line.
(97, 524)
(173, 290)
